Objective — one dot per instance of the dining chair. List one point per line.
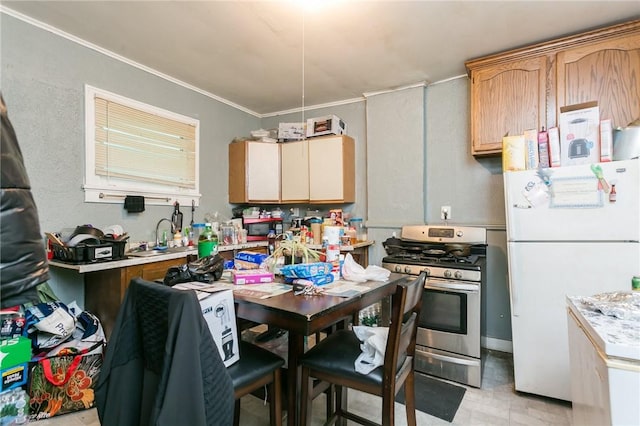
(332, 361)
(256, 368)
(161, 363)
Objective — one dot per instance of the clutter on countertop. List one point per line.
(87, 244)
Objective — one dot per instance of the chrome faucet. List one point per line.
(173, 230)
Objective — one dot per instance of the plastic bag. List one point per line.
(352, 271)
(49, 324)
(374, 342)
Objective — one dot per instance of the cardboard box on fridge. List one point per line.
(579, 134)
(513, 153)
(219, 311)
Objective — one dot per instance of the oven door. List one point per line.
(450, 317)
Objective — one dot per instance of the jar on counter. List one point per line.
(358, 225)
(228, 233)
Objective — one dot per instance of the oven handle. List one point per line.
(436, 284)
(445, 358)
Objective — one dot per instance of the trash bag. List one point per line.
(205, 269)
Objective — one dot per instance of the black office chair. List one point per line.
(332, 360)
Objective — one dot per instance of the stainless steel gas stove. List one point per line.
(451, 319)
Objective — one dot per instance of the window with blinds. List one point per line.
(135, 148)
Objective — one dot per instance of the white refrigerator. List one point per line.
(567, 234)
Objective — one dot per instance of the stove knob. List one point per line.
(459, 233)
(447, 274)
(458, 275)
(427, 271)
(398, 268)
(407, 269)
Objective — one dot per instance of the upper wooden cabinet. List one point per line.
(319, 171)
(294, 185)
(332, 171)
(524, 88)
(606, 71)
(254, 172)
(508, 98)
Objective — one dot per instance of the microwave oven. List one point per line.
(258, 228)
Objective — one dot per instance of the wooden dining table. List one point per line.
(304, 315)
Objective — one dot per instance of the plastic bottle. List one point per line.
(612, 194)
(208, 242)
(271, 237)
(361, 231)
(177, 239)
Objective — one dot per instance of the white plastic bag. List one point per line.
(374, 342)
(352, 271)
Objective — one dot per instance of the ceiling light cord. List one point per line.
(303, 48)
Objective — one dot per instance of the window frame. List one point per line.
(103, 189)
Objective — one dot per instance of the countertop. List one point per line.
(618, 338)
(135, 260)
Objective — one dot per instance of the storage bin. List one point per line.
(82, 253)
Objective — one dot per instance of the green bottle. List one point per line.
(208, 242)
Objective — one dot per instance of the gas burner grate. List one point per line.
(430, 260)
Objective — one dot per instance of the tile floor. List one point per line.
(496, 403)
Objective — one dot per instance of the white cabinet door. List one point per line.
(294, 157)
(331, 169)
(263, 171)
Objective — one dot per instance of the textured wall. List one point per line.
(42, 80)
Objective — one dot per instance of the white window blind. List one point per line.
(137, 148)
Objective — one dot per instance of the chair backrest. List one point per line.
(162, 365)
(401, 343)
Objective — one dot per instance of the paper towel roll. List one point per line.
(332, 234)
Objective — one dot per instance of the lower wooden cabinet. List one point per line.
(105, 290)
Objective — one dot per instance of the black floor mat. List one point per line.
(435, 397)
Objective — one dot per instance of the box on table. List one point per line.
(291, 131)
(579, 134)
(219, 312)
(249, 259)
(252, 276)
(326, 125)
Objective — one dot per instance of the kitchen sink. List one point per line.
(149, 253)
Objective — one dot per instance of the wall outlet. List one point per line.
(445, 212)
